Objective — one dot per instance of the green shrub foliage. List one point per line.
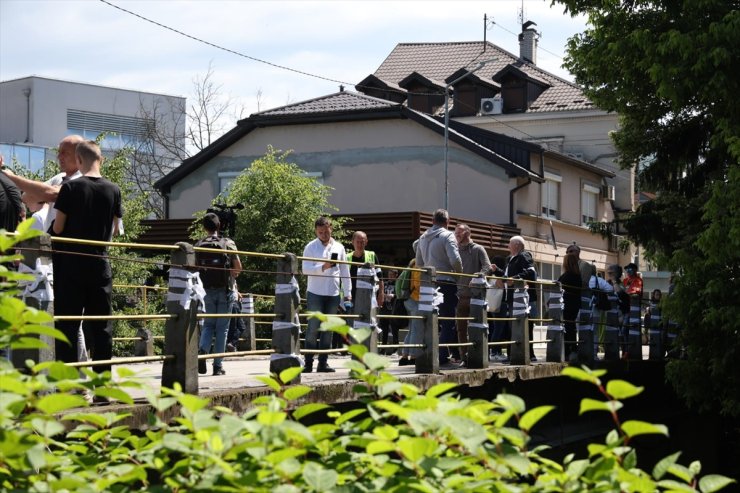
(398, 439)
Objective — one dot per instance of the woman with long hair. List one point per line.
(570, 281)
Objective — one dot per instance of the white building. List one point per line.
(37, 112)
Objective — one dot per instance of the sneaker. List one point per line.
(325, 369)
(405, 361)
(217, 370)
(202, 369)
(307, 369)
(499, 358)
(230, 348)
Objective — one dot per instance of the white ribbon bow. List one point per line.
(41, 287)
(191, 285)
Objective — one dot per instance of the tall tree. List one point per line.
(279, 205)
(668, 68)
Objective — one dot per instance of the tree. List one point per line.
(280, 207)
(175, 131)
(667, 67)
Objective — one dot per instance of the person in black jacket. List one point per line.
(521, 266)
(570, 281)
(11, 206)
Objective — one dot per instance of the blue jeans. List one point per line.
(316, 339)
(218, 300)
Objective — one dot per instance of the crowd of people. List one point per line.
(80, 203)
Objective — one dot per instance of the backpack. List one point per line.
(214, 267)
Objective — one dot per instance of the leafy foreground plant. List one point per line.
(398, 439)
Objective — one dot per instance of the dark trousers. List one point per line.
(77, 292)
(447, 333)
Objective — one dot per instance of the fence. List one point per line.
(185, 303)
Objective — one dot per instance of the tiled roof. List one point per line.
(339, 102)
(439, 60)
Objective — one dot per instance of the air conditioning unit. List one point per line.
(614, 242)
(608, 192)
(492, 106)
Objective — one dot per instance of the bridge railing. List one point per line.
(185, 303)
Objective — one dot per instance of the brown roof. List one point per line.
(437, 61)
(339, 102)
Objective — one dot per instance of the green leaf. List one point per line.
(296, 392)
(270, 382)
(319, 478)
(584, 375)
(380, 447)
(46, 427)
(386, 432)
(532, 416)
(114, 393)
(511, 402)
(714, 482)
(271, 418)
(349, 415)
(440, 389)
(54, 403)
(289, 374)
(675, 486)
(359, 335)
(191, 402)
(59, 371)
(588, 404)
(415, 448)
(664, 464)
(375, 361)
(307, 409)
(620, 389)
(634, 428)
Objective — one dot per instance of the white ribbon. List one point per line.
(287, 288)
(365, 272)
(426, 298)
(478, 302)
(248, 304)
(280, 325)
(520, 305)
(191, 285)
(555, 328)
(364, 285)
(41, 288)
(555, 300)
(478, 325)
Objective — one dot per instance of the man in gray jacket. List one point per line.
(437, 248)
(474, 261)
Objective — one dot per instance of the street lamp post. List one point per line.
(447, 125)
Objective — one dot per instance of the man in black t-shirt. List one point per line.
(87, 208)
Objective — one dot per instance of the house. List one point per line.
(383, 159)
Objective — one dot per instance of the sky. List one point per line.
(92, 41)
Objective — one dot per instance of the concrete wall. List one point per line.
(376, 166)
(13, 111)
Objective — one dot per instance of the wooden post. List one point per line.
(519, 352)
(285, 327)
(553, 294)
(181, 332)
(478, 328)
(247, 341)
(611, 332)
(37, 257)
(428, 360)
(634, 333)
(365, 292)
(585, 325)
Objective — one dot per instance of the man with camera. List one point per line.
(218, 273)
(322, 295)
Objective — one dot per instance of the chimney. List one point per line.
(528, 42)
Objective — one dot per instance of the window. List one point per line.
(589, 198)
(30, 157)
(551, 195)
(122, 130)
(547, 271)
(225, 179)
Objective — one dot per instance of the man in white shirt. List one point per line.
(323, 293)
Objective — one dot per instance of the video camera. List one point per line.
(226, 216)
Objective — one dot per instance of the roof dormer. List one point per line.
(378, 88)
(468, 92)
(518, 88)
(424, 94)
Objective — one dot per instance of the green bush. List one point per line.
(399, 439)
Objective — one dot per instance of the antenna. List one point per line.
(521, 14)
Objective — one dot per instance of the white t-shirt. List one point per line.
(56, 181)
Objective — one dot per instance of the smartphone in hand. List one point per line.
(334, 256)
